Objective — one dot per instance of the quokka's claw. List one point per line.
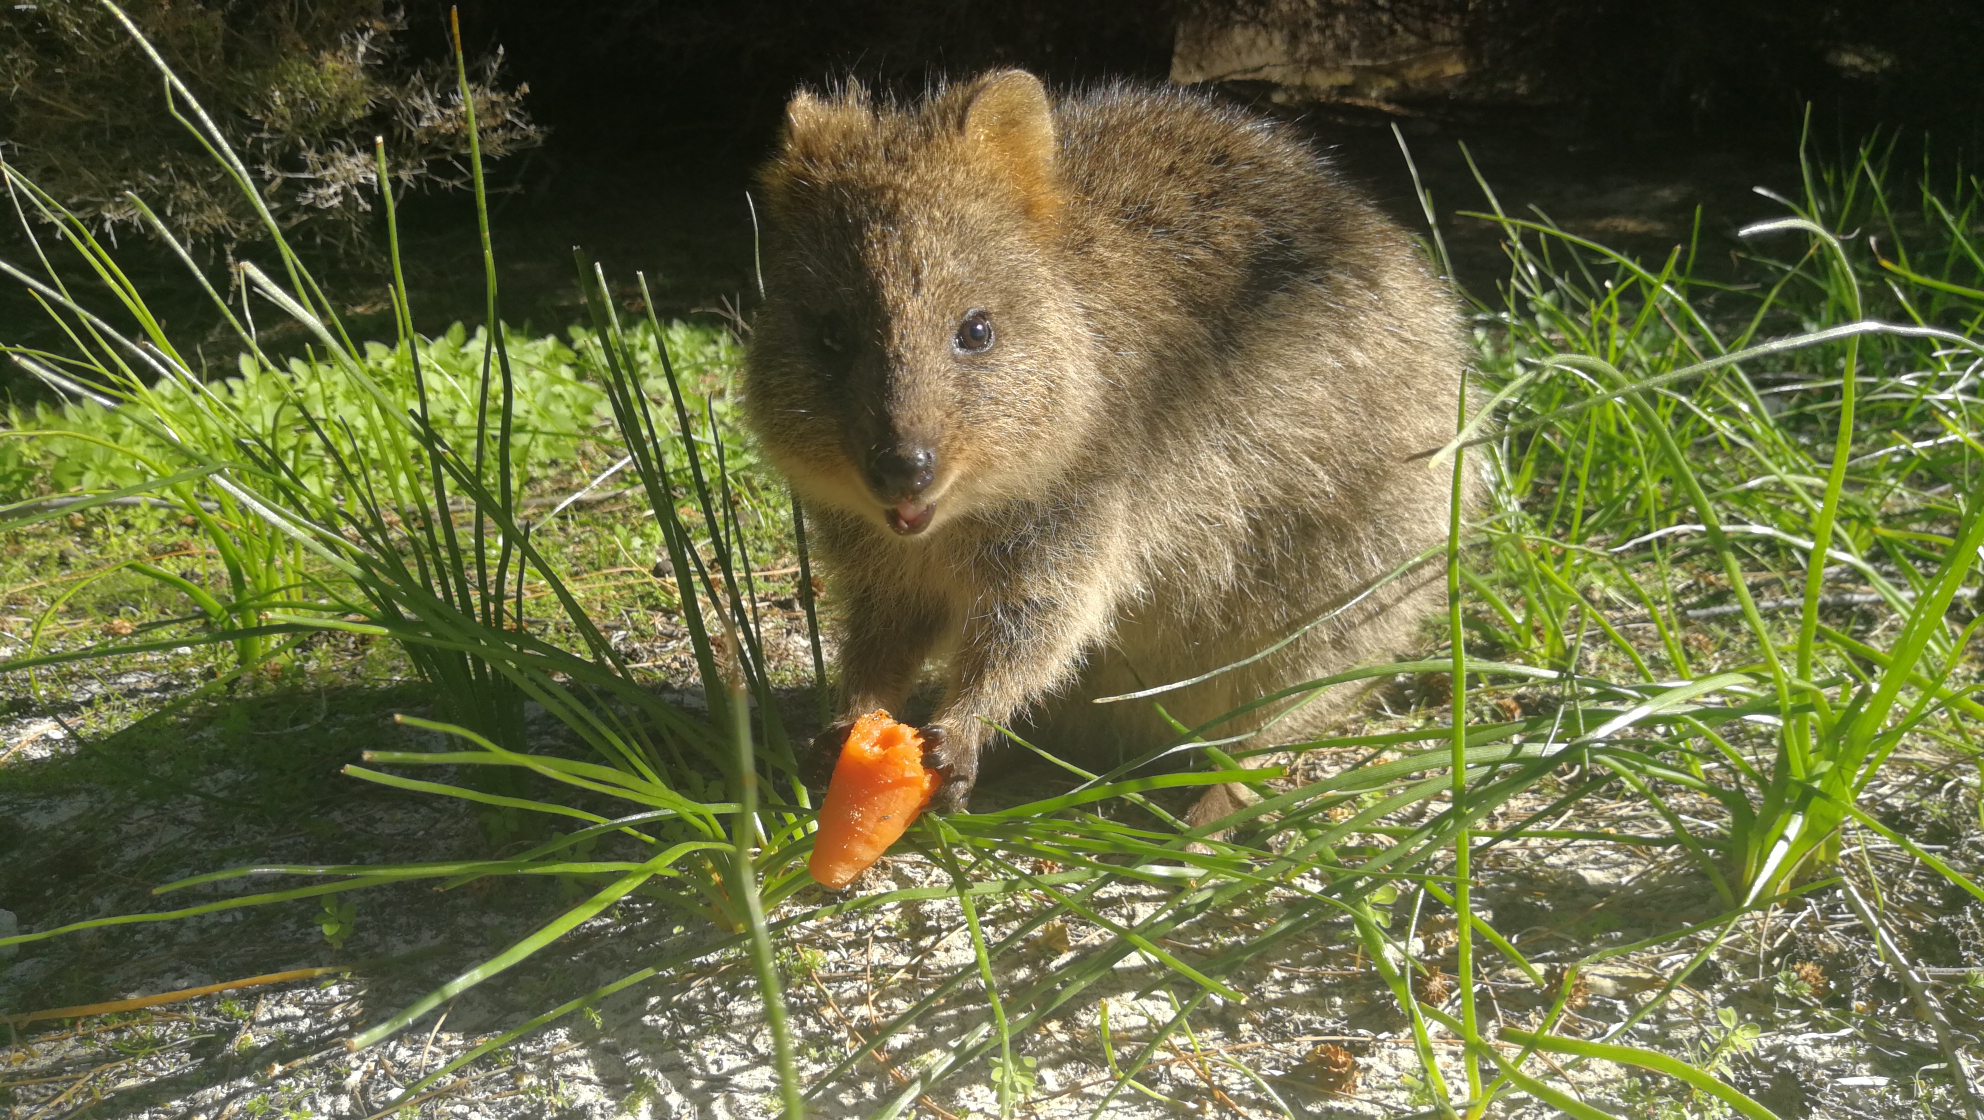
(816, 764)
(959, 774)
(934, 757)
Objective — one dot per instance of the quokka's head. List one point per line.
(920, 351)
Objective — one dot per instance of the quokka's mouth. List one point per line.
(910, 518)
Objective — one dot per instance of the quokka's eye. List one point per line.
(833, 336)
(974, 333)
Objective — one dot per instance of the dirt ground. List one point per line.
(104, 799)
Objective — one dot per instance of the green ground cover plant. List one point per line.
(1729, 568)
(107, 445)
(561, 411)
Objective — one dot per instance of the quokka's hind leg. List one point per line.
(1391, 626)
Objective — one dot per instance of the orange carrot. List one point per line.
(878, 788)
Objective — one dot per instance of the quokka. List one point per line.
(1090, 393)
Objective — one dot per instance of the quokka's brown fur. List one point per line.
(1208, 363)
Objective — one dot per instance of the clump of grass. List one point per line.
(106, 444)
(1763, 499)
(1743, 522)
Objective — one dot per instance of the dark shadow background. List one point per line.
(1640, 109)
(1618, 118)
(616, 73)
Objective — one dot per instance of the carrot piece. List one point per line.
(878, 788)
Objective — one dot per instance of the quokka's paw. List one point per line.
(958, 767)
(816, 763)
(1217, 803)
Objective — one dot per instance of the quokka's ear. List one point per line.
(816, 127)
(1010, 127)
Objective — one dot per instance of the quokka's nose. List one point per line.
(903, 472)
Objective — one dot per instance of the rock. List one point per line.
(25, 975)
(1345, 51)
